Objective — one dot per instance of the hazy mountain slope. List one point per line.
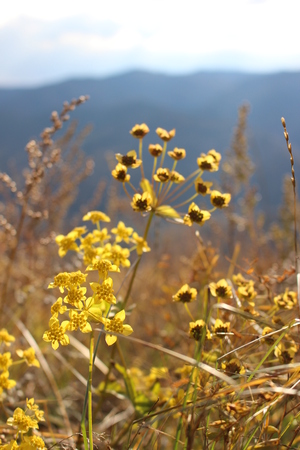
(202, 107)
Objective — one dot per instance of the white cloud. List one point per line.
(98, 37)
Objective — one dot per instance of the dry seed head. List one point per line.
(283, 122)
(8, 181)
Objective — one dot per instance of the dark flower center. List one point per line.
(196, 216)
(197, 332)
(221, 330)
(221, 291)
(219, 201)
(205, 165)
(142, 204)
(201, 188)
(185, 297)
(139, 132)
(128, 160)
(121, 175)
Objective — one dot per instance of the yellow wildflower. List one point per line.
(120, 173)
(288, 300)
(202, 187)
(233, 367)
(32, 443)
(216, 155)
(220, 328)
(141, 203)
(96, 216)
(155, 150)
(129, 160)
(29, 356)
(116, 254)
(12, 445)
(122, 233)
(103, 266)
(177, 153)
(197, 329)
(90, 253)
(186, 294)
(195, 214)
(61, 280)
(286, 351)
(39, 414)
(58, 308)
(139, 131)
(79, 231)
(162, 175)
(66, 243)
(247, 292)
(77, 278)
(116, 325)
(165, 135)
(101, 235)
(5, 382)
(207, 162)
(269, 339)
(141, 244)
(104, 291)
(56, 334)
(221, 289)
(219, 200)
(79, 320)
(23, 422)
(240, 280)
(76, 297)
(5, 361)
(6, 338)
(176, 177)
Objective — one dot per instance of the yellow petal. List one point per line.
(110, 339)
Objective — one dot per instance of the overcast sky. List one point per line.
(46, 41)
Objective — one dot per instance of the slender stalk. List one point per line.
(126, 192)
(186, 201)
(189, 312)
(141, 157)
(83, 429)
(138, 261)
(163, 154)
(293, 179)
(90, 399)
(180, 185)
(165, 191)
(153, 170)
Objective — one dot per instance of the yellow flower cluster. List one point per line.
(101, 252)
(198, 329)
(6, 361)
(25, 422)
(157, 194)
(245, 292)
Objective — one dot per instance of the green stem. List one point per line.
(141, 157)
(138, 261)
(187, 201)
(188, 311)
(163, 154)
(153, 171)
(83, 428)
(90, 403)
(180, 185)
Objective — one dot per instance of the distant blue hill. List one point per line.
(202, 107)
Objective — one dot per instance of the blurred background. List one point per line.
(188, 65)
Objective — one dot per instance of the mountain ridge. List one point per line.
(201, 106)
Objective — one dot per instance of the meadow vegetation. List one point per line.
(119, 331)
